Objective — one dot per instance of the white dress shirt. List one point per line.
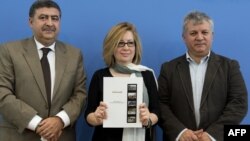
(197, 74)
(51, 58)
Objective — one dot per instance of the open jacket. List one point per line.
(23, 92)
(223, 101)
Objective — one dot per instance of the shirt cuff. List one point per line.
(178, 137)
(65, 118)
(34, 122)
(213, 139)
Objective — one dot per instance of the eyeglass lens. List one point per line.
(129, 44)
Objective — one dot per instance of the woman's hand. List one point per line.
(96, 118)
(100, 112)
(144, 114)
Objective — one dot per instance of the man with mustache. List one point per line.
(200, 91)
(42, 81)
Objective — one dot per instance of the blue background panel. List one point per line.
(159, 22)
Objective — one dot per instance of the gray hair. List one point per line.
(197, 17)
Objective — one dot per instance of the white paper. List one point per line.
(123, 95)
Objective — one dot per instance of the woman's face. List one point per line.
(125, 51)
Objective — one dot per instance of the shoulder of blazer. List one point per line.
(220, 58)
(19, 45)
(177, 60)
(66, 47)
(172, 65)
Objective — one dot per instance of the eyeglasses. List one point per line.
(129, 44)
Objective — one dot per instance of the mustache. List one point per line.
(200, 43)
(49, 28)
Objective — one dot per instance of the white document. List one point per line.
(122, 96)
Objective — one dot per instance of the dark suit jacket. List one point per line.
(224, 97)
(23, 93)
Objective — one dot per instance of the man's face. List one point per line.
(198, 38)
(45, 25)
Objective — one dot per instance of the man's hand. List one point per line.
(190, 135)
(204, 137)
(50, 128)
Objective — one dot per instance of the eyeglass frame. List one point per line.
(129, 44)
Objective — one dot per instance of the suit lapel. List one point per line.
(60, 62)
(183, 69)
(212, 68)
(32, 58)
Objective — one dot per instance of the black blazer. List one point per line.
(224, 97)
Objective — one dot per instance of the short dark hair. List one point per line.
(43, 3)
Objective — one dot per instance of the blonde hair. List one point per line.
(113, 38)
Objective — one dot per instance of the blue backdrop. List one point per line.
(159, 23)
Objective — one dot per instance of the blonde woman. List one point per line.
(122, 55)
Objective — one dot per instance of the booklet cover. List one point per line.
(122, 96)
